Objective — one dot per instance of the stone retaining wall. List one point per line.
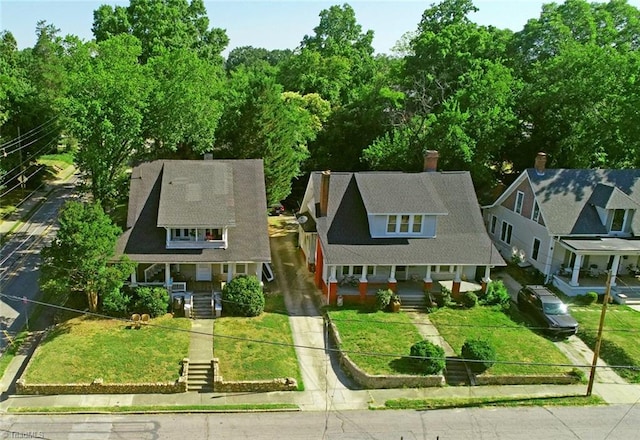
(369, 381)
(550, 379)
(253, 386)
(98, 387)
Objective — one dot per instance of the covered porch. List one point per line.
(588, 261)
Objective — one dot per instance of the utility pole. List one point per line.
(596, 351)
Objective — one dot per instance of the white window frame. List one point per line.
(519, 202)
(410, 225)
(534, 254)
(506, 232)
(624, 220)
(237, 270)
(535, 215)
(493, 222)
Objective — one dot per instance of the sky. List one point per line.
(272, 24)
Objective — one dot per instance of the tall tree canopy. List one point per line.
(106, 106)
(162, 26)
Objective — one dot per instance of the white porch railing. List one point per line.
(179, 286)
(199, 244)
(152, 270)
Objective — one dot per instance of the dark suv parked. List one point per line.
(547, 310)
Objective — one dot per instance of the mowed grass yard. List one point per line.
(83, 349)
(513, 342)
(248, 358)
(377, 341)
(619, 337)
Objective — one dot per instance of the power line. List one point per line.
(28, 134)
(27, 160)
(284, 344)
(6, 153)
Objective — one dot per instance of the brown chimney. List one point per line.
(541, 161)
(324, 193)
(431, 160)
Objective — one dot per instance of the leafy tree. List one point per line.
(185, 104)
(262, 121)
(162, 26)
(249, 56)
(106, 106)
(243, 296)
(151, 300)
(77, 260)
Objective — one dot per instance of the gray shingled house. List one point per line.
(194, 224)
(573, 225)
(410, 232)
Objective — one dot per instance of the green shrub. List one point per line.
(115, 303)
(588, 298)
(243, 296)
(151, 300)
(383, 298)
(429, 356)
(479, 350)
(469, 299)
(444, 298)
(496, 294)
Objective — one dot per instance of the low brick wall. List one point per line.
(252, 386)
(98, 387)
(552, 379)
(369, 381)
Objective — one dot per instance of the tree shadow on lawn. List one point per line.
(406, 365)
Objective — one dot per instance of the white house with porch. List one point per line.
(193, 225)
(405, 231)
(573, 225)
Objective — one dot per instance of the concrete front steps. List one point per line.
(200, 377)
(202, 306)
(456, 372)
(412, 303)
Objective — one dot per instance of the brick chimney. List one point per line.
(431, 160)
(324, 193)
(540, 163)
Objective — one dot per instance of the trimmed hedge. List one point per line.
(429, 356)
(479, 350)
(243, 296)
(469, 299)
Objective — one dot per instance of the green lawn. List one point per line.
(254, 360)
(620, 336)
(512, 341)
(366, 332)
(82, 349)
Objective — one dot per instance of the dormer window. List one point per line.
(404, 224)
(618, 220)
(519, 202)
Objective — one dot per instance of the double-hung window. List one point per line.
(519, 202)
(505, 233)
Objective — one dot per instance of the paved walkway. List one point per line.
(201, 340)
(429, 332)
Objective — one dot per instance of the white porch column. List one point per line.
(167, 274)
(487, 274)
(614, 269)
(168, 234)
(259, 271)
(392, 275)
(363, 277)
(134, 279)
(427, 277)
(458, 275)
(231, 269)
(332, 277)
(576, 271)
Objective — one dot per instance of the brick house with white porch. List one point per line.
(363, 231)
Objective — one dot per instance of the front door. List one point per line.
(203, 272)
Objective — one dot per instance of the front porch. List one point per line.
(625, 289)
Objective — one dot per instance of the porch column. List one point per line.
(167, 275)
(362, 287)
(259, 272)
(428, 282)
(392, 283)
(231, 269)
(576, 271)
(487, 279)
(614, 269)
(333, 285)
(455, 287)
(134, 278)
(168, 235)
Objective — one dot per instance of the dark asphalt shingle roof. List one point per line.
(568, 198)
(248, 240)
(461, 237)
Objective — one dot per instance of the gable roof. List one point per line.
(243, 182)
(568, 197)
(461, 237)
(197, 194)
